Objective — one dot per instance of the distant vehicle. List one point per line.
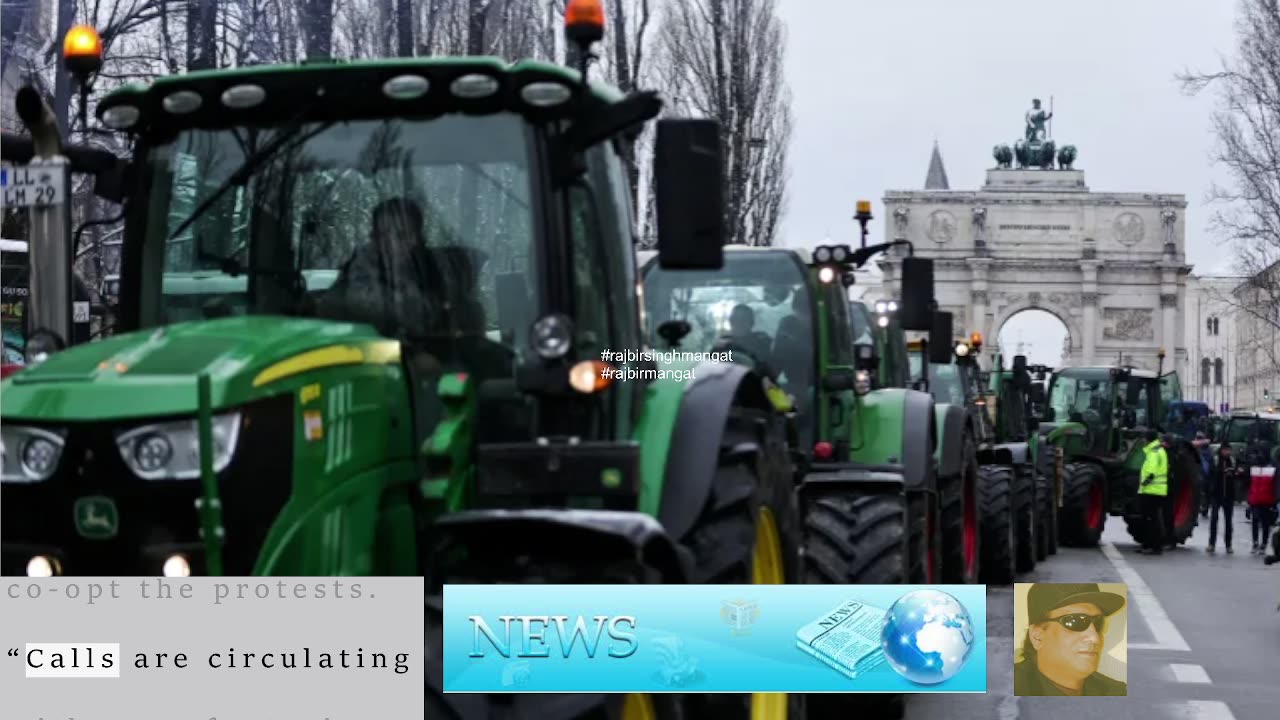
(15, 291)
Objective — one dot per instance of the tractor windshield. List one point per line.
(758, 307)
(410, 226)
(1245, 430)
(1085, 400)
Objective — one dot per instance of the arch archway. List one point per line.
(1041, 335)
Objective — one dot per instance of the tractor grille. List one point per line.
(156, 519)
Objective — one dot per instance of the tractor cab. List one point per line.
(759, 310)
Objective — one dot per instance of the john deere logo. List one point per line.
(96, 518)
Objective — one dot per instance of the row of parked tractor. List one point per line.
(239, 421)
(954, 449)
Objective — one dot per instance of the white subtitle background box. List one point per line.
(72, 660)
(306, 616)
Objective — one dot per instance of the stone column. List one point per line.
(1169, 310)
(1169, 314)
(978, 299)
(1089, 307)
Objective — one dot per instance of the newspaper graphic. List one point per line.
(847, 639)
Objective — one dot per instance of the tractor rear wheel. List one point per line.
(858, 538)
(999, 540)
(925, 538)
(961, 539)
(1083, 514)
(748, 533)
(1024, 509)
(1185, 485)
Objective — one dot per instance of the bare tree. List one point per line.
(1246, 126)
(726, 58)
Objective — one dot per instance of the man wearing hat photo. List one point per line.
(1067, 626)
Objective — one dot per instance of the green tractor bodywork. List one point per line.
(291, 391)
(1106, 412)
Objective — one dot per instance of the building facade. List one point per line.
(1209, 373)
(1111, 266)
(1257, 322)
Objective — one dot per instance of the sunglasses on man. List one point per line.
(1079, 622)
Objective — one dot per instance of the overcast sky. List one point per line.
(875, 83)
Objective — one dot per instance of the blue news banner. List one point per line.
(715, 638)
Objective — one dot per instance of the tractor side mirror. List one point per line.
(940, 348)
(916, 309)
(688, 173)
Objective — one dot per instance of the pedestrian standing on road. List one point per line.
(1201, 444)
(1066, 633)
(1221, 490)
(1153, 492)
(1262, 506)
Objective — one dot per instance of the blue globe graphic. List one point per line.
(927, 636)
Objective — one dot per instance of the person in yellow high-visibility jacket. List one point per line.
(1153, 492)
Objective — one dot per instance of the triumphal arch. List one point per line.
(1110, 265)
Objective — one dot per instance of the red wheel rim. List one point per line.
(1094, 517)
(1182, 504)
(970, 531)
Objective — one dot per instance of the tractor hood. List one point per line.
(153, 373)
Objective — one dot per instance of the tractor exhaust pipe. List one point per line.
(49, 246)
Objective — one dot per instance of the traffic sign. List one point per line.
(38, 186)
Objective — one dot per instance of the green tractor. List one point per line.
(1113, 407)
(864, 479)
(898, 364)
(1015, 401)
(854, 446)
(1004, 478)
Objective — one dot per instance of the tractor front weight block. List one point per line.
(609, 470)
(553, 545)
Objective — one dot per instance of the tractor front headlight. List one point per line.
(29, 454)
(171, 451)
(862, 382)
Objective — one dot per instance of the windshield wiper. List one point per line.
(249, 167)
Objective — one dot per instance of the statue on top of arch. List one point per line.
(1035, 149)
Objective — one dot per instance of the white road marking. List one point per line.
(1200, 710)
(1166, 634)
(1008, 708)
(1190, 674)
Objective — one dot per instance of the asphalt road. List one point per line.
(1203, 633)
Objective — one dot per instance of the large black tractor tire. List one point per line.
(925, 538)
(999, 539)
(754, 484)
(858, 538)
(1083, 514)
(1186, 486)
(1024, 510)
(961, 523)
(1046, 518)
